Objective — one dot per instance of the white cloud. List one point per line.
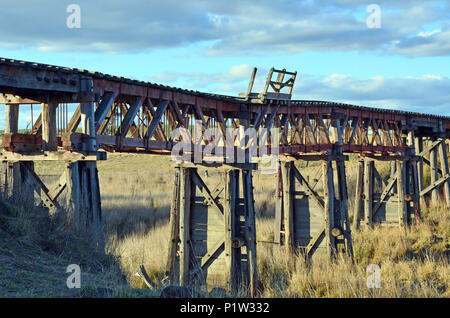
(435, 43)
(237, 27)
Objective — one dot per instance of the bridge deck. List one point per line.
(132, 115)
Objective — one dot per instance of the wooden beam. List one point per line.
(315, 242)
(205, 191)
(130, 115)
(418, 142)
(402, 204)
(103, 108)
(309, 191)
(384, 194)
(368, 192)
(185, 221)
(359, 195)
(329, 199)
(279, 215)
(229, 228)
(49, 138)
(60, 155)
(343, 216)
(174, 226)
(431, 145)
(444, 167)
(434, 185)
(288, 205)
(435, 196)
(210, 255)
(157, 118)
(75, 120)
(37, 126)
(250, 231)
(11, 118)
(33, 180)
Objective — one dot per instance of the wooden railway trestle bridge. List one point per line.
(212, 230)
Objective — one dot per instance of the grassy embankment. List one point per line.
(136, 193)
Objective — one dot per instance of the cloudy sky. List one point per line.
(212, 45)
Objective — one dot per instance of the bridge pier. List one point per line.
(433, 153)
(212, 231)
(392, 202)
(74, 199)
(309, 218)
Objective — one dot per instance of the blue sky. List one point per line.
(212, 45)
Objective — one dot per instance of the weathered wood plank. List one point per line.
(288, 205)
(49, 138)
(185, 205)
(174, 224)
(359, 195)
(11, 118)
(445, 170)
(279, 215)
(368, 192)
(402, 207)
(229, 228)
(329, 200)
(250, 232)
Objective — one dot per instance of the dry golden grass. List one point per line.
(136, 195)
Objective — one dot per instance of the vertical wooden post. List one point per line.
(4, 179)
(434, 173)
(11, 118)
(393, 172)
(342, 217)
(418, 149)
(174, 224)
(185, 204)
(444, 167)
(49, 141)
(88, 114)
(244, 139)
(84, 197)
(343, 197)
(278, 206)
(359, 195)
(231, 177)
(11, 179)
(250, 84)
(402, 208)
(413, 177)
(73, 196)
(96, 227)
(250, 231)
(288, 205)
(415, 188)
(24, 186)
(368, 191)
(328, 186)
